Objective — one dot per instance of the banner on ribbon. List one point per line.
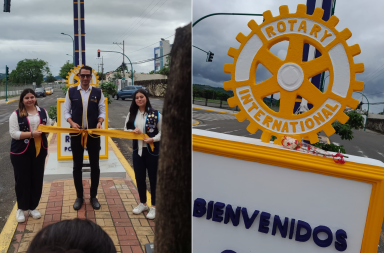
(64, 151)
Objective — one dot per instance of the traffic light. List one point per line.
(98, 53)
(6, 73)
(7, 5)
(210, 56)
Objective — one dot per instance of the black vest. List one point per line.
(77, 106)
(18, 147)
(150, 128)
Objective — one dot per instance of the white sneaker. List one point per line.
(20, 215)
(140, 208)
(35, 214)
(151, 214)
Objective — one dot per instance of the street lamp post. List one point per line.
(365, 125)
(73, 45)
(126, 57)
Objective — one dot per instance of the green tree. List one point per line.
(355, 121)
(65, 89)
(116, 76)
(65, 69)
(122, 68)
(29, 71)
(222, 96)
(101, 75)
(152, 72)
(50, 79)
(109, 90)
(196, 92)
(165, 69)
(52, 112)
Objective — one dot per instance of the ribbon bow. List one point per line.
(339, 160)
(85, 132)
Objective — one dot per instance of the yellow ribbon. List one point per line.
(85, 132)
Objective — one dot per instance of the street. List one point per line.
(117, 112)
(365, 143)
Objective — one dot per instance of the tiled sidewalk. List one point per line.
(117, 197)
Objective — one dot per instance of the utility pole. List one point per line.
(123, 55)
(6, 82)
(102, 69)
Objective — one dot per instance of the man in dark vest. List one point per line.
(85, 108)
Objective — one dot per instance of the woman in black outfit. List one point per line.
(142, 118)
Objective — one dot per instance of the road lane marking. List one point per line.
(360, 151)
(213, 111)
(231, 131)
(212, 128)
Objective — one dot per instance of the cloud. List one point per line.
(33, 30)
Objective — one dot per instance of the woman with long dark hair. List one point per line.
(142, 118)
(28, 169)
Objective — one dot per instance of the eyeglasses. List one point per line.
(85, 76)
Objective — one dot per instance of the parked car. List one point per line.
(40, 92)
(127, 92)
(48, 90)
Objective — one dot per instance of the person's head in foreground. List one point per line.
(72, 236)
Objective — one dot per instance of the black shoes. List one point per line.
(95, 203)
(78, 203)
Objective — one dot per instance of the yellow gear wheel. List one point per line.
(291, 77)
(74, 80)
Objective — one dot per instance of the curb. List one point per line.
(196, 123)
(8, 231)
(213, 111)
(10, 101)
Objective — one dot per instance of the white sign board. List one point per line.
(64, 140)
(244, 206)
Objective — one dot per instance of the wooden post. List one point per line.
(173, 202)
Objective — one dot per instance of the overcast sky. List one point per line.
(33, 30)
(218, 33)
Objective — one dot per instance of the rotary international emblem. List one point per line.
(74, 80)
(291, 77)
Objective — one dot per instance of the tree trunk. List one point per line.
(173, 214)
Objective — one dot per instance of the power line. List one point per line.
(132, 25)
(148, 45)
(124, 33)
(147, 19)
(374, 93)
(374, 73)
(149, 16)
(148, 60)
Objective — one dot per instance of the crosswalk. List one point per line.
(213, 116)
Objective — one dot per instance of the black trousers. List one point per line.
(93, 148)
(140, 165)
(29, 175)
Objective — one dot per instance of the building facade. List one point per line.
(164, 49)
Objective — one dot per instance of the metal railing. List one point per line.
(16, 89)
